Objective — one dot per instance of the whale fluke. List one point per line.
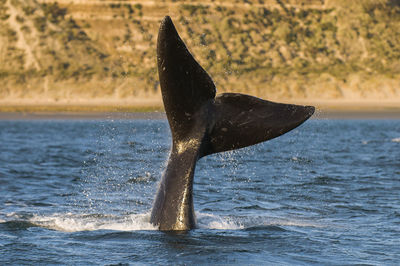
(185, 85)
(202, 124)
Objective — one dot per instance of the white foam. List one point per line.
(90, 222)
(210, 221)
(396, 140)
(70, 222)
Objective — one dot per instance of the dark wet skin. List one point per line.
(203, 124)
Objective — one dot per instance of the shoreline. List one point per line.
(151, 115)
(154, 115)
(152, 108)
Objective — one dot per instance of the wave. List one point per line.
(90, 222)
(70, 222)
(211, 221)
(396, 140)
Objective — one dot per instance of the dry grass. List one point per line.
(339, 50)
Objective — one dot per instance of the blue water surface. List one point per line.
(79, 192)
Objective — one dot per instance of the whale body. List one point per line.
(202, 123)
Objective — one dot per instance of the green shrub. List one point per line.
(195, 9)
(40, 23)
(28, 10)
(12, 35)
(20, 19)
(115, 5)
(4, 16)
(53, 12)
(71, 24)
(130, 9)
(26, 29)
(328, 26)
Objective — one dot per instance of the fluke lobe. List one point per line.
(202, 124)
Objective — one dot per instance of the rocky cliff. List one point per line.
(71, 49)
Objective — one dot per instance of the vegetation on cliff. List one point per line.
(275, 49)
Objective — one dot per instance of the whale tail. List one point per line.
(203, 124)
(233, 120)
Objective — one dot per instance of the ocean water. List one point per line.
(79, 192)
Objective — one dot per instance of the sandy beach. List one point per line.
(320, 114)
(152, 108)
(81, 115)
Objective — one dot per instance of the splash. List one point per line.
(70, 222)
(90, 222)
(210, 221)
(396, 140)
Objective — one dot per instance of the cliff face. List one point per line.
(279, 49)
